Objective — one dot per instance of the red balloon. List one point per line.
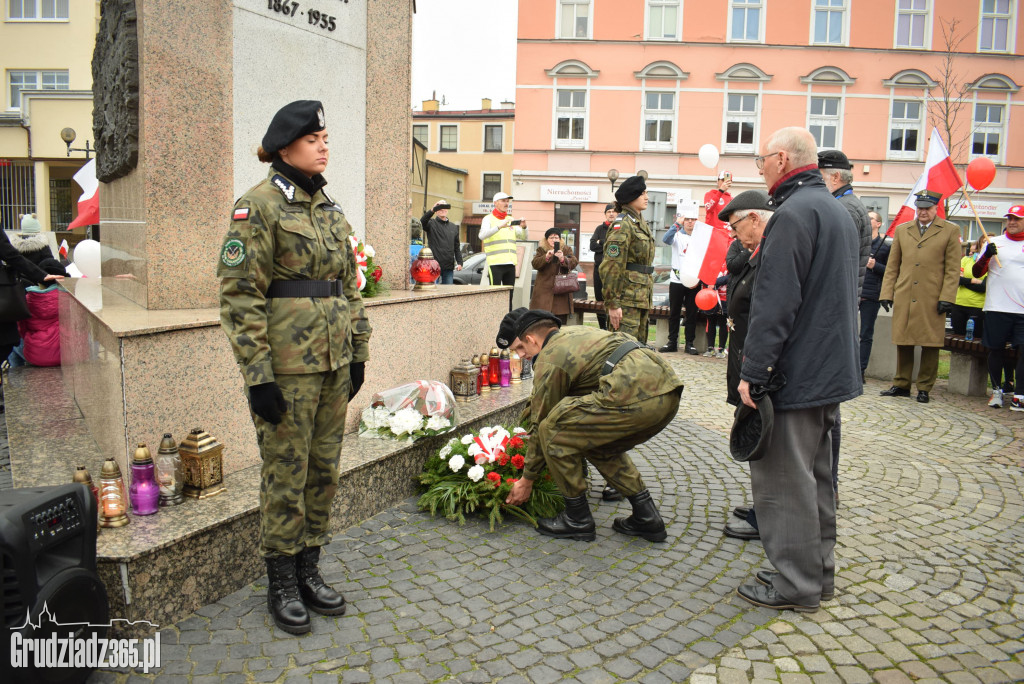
(707, 299)
(980, 173)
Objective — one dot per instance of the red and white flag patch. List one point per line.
(241, 214)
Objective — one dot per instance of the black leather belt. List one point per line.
(618, 354)
(305, 288)
(640, 268)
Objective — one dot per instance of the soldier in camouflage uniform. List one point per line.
(293, 314)
(596, 394)
(627, 276)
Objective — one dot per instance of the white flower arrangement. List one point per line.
(408, 412)
(456, 462)
(476, 473)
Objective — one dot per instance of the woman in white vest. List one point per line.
(499, 241)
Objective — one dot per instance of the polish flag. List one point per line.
(63, 249)
(939, 175)
(705, 254)
(89, 202)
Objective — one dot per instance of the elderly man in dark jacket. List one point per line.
(443, 239)
(803, 331)
(837, 171)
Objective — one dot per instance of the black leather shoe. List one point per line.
(692, 351)
(575, 522)
(766, 577)
(895, 391)
(610, 493)
(767, 597)
(315, 593)
(742, 512)
(283, 600)
(741, 529)
(670, 347)
(922, 397)
(645, 522)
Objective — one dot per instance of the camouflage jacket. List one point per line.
(570, 364)
(278, 233)
(629, 241)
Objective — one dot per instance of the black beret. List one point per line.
(748, 200)
(833, 159)
(293, 121)
(532, 317)
(507, 329)
(552, 231)
(608, 207)
(630, 189)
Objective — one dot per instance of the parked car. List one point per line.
(473, 269)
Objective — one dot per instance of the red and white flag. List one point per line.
(705, 254)
(939, 176)
(89, 202)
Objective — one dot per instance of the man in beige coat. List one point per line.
(920, 285)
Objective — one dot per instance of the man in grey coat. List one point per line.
(803, 333)
(837, 171)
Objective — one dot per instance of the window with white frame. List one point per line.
(449, 138)
(492, 138)
(570, 117)
(491, 186)
(420, 132)
(829, 22)
(574, 19)
(994, 31)
(988, 130)
(659, 117)
(745, 20)
(18, 81)
(663, 19)
(823, 121)
(740, 121)
(911, 23)
(38, 9)
(905, 126)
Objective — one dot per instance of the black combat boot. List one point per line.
(610, 493)
(283, 600)
(314, 591)
(575, 522)
(645, 521)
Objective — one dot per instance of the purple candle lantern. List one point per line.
(144, 492)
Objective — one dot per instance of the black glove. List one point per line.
(267, 402)
(944, 307)
(886, 304)
(355, 372)
(990, 251)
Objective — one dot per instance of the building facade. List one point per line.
(636, 85)
(46, 63)
(479, 141)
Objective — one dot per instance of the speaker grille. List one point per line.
(14, 604)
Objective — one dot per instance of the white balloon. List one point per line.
(689, 279)
(708, 155)
(87, 258)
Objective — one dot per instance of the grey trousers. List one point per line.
(795, 503)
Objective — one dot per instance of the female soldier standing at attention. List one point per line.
(627, 276)
(292, 311)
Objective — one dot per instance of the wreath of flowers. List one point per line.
(475, 473)
(368, 272)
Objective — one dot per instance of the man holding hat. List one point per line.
(836, 169)
(443, 240)
(1004, 302)
(596, 394)
(627, 275)
(499, 240)
(920, 284)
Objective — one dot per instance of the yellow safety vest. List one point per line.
(500, 247)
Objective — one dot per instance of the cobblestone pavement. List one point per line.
(929, 566)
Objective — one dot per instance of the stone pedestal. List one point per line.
(968, 375)
(882, 363)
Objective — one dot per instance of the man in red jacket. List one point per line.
(715, 200)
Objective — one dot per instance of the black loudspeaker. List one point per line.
(48, 575)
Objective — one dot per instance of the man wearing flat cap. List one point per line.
(627, 276)
(596, 394)
(443, 240)
(837, 171)
(920, 284)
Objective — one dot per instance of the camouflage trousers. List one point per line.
(580, 428)
(299, 476)
(635, 322)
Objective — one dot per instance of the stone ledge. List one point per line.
(162, 567)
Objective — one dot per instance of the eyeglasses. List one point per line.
(736, 223)
(759, 161)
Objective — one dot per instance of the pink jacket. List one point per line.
(41, 331)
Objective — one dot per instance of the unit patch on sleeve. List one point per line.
(240, 214)
(233, 252)
(612, 251)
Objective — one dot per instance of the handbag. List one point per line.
(566, 283)
(13, 307)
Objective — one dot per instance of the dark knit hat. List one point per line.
(293, 121)
(748, 200)
(833, 159)
(532, 317)
(630, 189)
(552, 231)
(507, 329)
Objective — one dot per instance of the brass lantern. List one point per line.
(202, 460)
(464, 378)
(113, 501)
